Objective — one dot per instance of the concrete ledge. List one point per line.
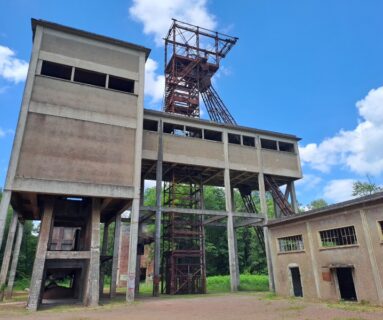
(68, 255)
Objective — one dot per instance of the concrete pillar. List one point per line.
(116, 250)
(4, 205)
(15, 260)
(133, 241)
(93, 281)
(104, 251)
(157, 236)
(294, 201)
(39, 263)
(235, 239)
(372, 257)
(314, 262)
(234, 279)
(7, 254)
(264, 211)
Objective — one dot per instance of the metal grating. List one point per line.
(293, 243)
(338, 237)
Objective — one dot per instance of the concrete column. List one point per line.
(93, 281)
(116, 250)
(157, 237)
(39, 263)
(15, 260)
(4, 205)
(262, 198)
(235, 238)
(314, 262)
(8, 254)
(104, 251)
(371, 255)
(294, 202)
(234, 279)
(133, 241)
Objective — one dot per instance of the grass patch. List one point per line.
(247, 283)
(355, 306)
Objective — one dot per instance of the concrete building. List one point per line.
(84, 146)
(331, 253)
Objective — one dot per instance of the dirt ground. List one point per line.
(238, 306)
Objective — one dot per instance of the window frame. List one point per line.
(299, 245)
(321, 239)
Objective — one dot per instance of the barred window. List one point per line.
(293, 243)
(338, 237)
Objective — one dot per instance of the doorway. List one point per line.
(346, 284)
(296, 282)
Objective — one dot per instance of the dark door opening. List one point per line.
(346, 284)
(296, 280)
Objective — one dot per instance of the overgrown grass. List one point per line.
(248, 282)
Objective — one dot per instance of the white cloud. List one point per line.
(154, 83)
(4, 133)
(156, 15)
(338, 190)
(11, 68)
(360, 150)
(308, 182)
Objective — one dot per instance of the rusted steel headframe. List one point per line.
(192, 57)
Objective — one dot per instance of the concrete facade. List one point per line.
(318, 261)
(84, 146)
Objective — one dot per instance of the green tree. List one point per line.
(360, 188)
(317, 204)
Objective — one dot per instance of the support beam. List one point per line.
(4, 205)
(235, 240)
(39, 263)
(93, 281)
(294, 201)
(104, 251)
(133, 242)
(157, 236)
(8, 254)
(15, 260)
(234, 280)
(262, 197)
(116, 250)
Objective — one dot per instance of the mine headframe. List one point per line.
(192, 57)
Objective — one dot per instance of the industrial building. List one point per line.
(85, 145)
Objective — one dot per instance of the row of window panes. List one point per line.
(329, 238)
(293, 243)
(187, 131)
(61, 71)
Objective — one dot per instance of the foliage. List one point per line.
(247, 283)
(317, 204)
(360, 189)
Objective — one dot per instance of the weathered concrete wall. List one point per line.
(317, 259)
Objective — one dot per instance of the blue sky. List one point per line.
(311, 68)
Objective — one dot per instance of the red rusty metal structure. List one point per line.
(192, 57)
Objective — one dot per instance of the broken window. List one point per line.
(234, 138)
(269, 144)
(175, 129)
(293, 243)
(286, 146)
(193, 132)
(90, 77)
(248, 141)
(150, 125)
(338, 237)
(121, 84)
(56, 70)
(213, 135)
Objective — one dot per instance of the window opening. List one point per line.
(248, 141)
(56, 70)
(213, 135)
(90, 77)
(150, 125)
(286, 146)
(269, 144)
(121, 84)
(293, 243)
(193, 132)
(234, 138)
(338, 237)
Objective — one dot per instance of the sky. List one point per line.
(310, 68)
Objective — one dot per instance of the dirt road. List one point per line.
(241, 306)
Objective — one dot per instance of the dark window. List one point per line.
(381, 228)
(56, 70)
(90, 77)
(121, 84)
(248, 141)
(175, 129)
(285, 146)
(294, 243)
(269, 144)
(234, 138)
(150, 125)
(193, 132)
(213, 135)
(338, 237)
